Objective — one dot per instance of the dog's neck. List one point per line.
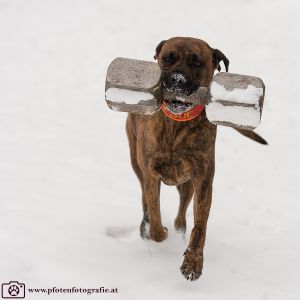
(173, 129)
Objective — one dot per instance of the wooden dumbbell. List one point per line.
(231, 99)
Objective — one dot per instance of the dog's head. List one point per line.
(187, 63)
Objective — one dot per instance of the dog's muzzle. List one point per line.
(180, 84)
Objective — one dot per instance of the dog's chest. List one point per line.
(176, 152)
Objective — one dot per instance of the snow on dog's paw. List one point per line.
(123, 234)
(145, 230)
(181, 232)
(180, 225)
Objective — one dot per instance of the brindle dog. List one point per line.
(178, 153)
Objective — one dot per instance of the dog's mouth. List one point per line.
(175, 105)
(178, 107)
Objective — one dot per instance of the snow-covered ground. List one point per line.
(70, 203)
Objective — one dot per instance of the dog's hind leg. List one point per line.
(145, 224)
(186, 192)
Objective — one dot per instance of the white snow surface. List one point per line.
(70, 204)
(127, 96)
(239, 115)
(250, 95)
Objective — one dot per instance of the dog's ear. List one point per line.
(218, 56)
(158, 48)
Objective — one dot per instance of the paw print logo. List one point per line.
(13, 290)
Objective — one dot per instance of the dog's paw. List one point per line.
(180, 225)
(158, 235)
(192, 264)
(145, 230)
(155, 235)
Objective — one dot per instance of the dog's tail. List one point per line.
(252, 135)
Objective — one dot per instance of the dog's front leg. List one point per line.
(157, 232)
(193, 257)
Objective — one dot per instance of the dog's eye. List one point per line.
(194, 60)
(170, 58)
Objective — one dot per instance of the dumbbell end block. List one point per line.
(236, 100)
(130, 85)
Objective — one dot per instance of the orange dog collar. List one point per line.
(188, 115)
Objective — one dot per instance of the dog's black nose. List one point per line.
(177, 81)
(178, 78)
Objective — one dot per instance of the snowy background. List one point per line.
(70, 204)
